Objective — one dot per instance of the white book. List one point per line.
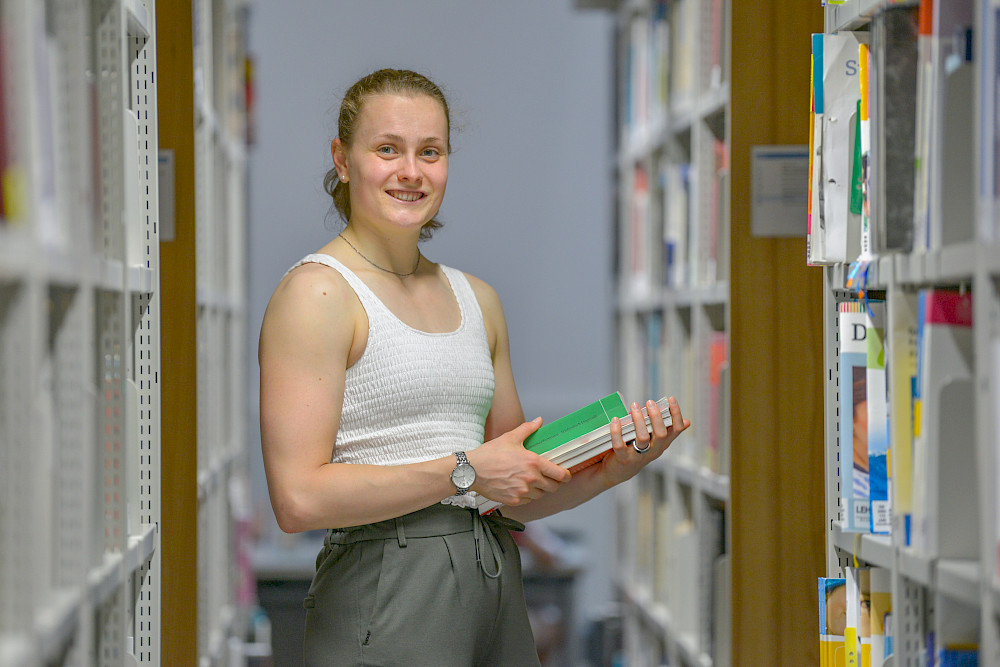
(841, 95)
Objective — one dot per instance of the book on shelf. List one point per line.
(684, 23)
(832, 621)
(880, 614)
(901, 344)
(641, 252)
(857, 630)
(953, 192)
(945, 503)
(815, 239)
(718, 364)
(839, 171)
(853, 352)
(959, 655)
(862, 197)
(713, 44)
(675, 182)
(581, 438)
(876, 405)
(893, 107)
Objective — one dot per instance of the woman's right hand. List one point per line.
(510, 474)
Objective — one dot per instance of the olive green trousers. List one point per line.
(438, 587)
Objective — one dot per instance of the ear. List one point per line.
(339, 153)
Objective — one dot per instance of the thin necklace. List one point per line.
(401, 275)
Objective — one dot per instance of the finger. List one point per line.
(527, 428)
(553, 471)
(656, 420)
(679, 423)
(548, 485)
(617, 443)
(642, 435)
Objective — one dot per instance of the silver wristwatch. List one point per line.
(464, 475)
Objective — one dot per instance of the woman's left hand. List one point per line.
(628, 458)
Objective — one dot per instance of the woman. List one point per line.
(388, 406)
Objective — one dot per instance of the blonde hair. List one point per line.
(380, 82)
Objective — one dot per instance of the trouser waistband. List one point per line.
(434, 521)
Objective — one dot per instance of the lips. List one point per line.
(405, 196)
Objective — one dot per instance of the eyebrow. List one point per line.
(399, 139)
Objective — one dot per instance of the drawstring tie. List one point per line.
(484, 527)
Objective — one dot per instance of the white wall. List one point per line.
(529, 197)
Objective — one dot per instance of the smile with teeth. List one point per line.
(405, 196)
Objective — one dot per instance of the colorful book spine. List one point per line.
(864, 155)
(815, 239)
(854, 478)
(877, 421)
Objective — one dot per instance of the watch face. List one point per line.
(463, 476)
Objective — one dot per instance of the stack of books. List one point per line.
(581, 438)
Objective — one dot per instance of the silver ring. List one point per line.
(643, 450)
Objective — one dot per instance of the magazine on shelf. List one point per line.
(832, 621)
(581, 438)
(854, 494)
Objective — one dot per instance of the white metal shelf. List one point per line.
(85, 339)
(695, 476)
(959, 579)
(646, 140)
(658, 616)
(872, 549)
(629, 302)
(137, 17)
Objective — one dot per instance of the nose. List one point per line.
(409, 169)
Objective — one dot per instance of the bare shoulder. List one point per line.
(313, 306)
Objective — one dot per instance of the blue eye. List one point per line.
(386, 150)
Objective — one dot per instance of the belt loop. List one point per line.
(400, 533)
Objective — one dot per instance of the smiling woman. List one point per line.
(381, 82)
(388, 407)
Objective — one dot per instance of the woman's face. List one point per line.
(397, 164)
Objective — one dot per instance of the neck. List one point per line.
(396, 254)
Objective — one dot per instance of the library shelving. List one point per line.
(204, 147)
(80, 557)
(673, 329)
(717, 535)
(933, 264)
(89, 230)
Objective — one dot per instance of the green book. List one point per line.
(576, 424)
(581, 438)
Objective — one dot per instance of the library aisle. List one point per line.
(723, 537)
(807, 254)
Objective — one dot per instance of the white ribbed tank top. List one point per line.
(414, 396)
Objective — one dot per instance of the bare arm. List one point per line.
(618, 465)
(306, 345)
